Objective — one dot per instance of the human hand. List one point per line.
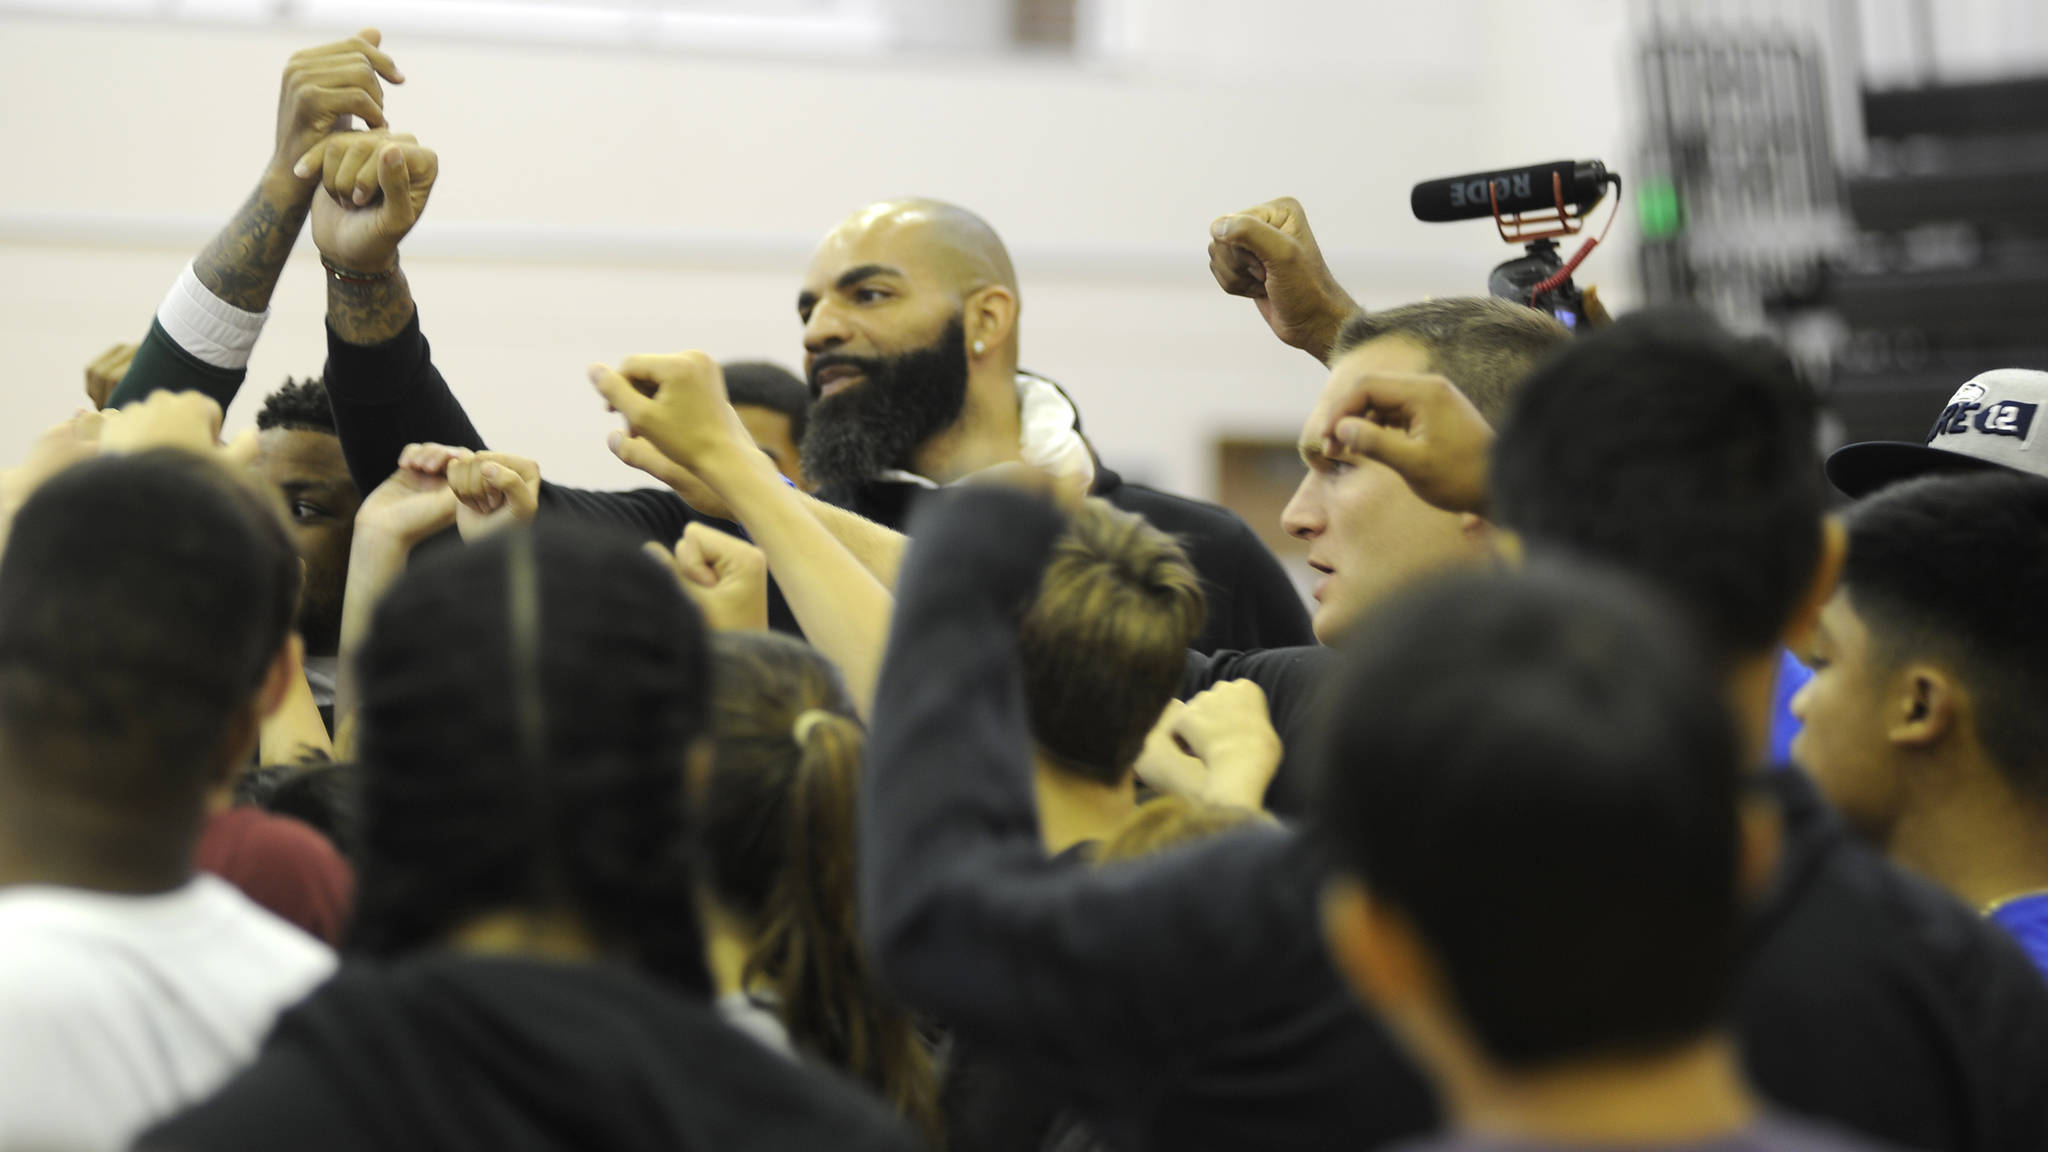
(322, 87)
(414, 502)
(1422, 427)
(680, 427)
(493, 490)
(189, 421)
(374, 185)
(647, 458)
(1267, 253)
(104, 374)
(58, 448)
(1219, 747)
(1165, 765)
(725, 576)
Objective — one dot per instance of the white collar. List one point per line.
(1051, 441)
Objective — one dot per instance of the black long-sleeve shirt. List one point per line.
(1183, 1001)
(388, 395)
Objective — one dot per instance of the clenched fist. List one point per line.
(1268, 254)
(374, 186)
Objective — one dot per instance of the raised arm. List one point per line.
(1268, 253)
(877, 548)
(676, 407)
(413, 503)
(1107, 977)
(202, 333)
(380, 371)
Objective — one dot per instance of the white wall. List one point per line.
(595, 203)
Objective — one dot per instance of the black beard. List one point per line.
(878, 424)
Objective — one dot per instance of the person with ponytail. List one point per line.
(526, 968)
(775, 834)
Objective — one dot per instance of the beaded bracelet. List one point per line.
(347, 276)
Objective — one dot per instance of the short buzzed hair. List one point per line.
(1955, 569)
(1485, 345)
(1669, 447)
(1105, 643)
(142, 601)
(1541, 765)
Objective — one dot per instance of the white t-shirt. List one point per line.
(115, 1011)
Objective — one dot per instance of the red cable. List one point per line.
(1572, 265)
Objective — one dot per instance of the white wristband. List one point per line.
(211, 329)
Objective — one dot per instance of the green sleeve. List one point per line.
(160, 365)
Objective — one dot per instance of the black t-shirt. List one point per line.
(1873, 998)
(1292, 679)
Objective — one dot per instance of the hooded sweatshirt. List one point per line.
(453, 1053)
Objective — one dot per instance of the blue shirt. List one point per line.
(1792, 676)
(2026, 917)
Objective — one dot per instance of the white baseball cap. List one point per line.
(1994, 421)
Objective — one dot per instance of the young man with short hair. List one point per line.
(1540, 873)
(1924, 721)
(145, 631)
(299, 452)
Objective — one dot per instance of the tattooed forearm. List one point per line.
(369, 312)
(242, 263)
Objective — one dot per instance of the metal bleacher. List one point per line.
(1948, 272)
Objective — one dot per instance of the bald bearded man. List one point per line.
(910, 312)
(910, 332)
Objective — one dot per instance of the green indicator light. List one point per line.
(1657, 210)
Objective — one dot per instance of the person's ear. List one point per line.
(990, 319)
(1827, 572)
(1924, 706)
(1760, 829)
(1372, 946)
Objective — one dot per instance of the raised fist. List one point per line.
(104, 374)
(493, 490)
(374, 185)
(1268, 254)
(725, 576)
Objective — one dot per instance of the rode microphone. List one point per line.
(1557, 186)
(1530, 206)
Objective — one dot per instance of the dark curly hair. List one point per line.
(301, 405)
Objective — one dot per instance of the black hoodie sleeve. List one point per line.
(1085, 973)
(386, 396)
